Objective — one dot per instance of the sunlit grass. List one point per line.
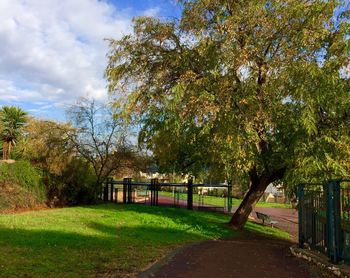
(84, 241)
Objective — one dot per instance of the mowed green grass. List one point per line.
(103, 239)
(220, 201)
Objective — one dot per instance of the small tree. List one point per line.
(99, 136)
(12, 121)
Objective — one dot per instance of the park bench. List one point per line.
(264, 217)
(142, 193)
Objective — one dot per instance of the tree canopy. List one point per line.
(258, 89)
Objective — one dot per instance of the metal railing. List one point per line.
(133, 191)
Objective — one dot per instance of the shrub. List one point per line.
(20, 186)
(75, 185)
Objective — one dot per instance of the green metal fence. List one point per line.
(324, 218)
(345, 220)
(154, 192)
(312, 216)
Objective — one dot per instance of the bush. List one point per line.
(20, 186)
(68, 178)
(75, 185)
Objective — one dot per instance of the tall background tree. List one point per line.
(12, 121)
(256, 89)
(99, 136)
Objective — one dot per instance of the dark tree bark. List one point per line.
(256, 190)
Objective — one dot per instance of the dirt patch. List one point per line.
(248, 257)
(8, 161)
(24, 210)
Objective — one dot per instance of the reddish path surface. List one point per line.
(287, 219)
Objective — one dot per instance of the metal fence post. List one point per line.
(129, 191)
(300, 195)
(151, 189)
(190, 194)
(110, 180)
(153, 193)
(156, 185)
(229, 196)
(105, 193)
(333, 220)
(125, 184)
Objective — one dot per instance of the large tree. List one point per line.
(252, 88)
(12, 120)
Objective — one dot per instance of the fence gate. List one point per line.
(345, 220)
(312, 217)
(156, 193)
(324, 218)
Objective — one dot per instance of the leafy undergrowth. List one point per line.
(14, 196)
(20, 186)
(220, 201)
(103, 239)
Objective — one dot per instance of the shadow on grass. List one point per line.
(163, 211)
(118, 238)
(39, 253)
(108, 243)
(214, 222)
(210, 222)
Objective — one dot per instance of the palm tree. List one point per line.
(12, 120)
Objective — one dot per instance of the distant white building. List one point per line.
(274, 194)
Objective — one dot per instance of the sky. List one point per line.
(53, 51)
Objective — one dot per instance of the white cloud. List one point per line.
(54, 51)
(9, 92)
(152, 12)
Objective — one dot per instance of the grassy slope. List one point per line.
(219, 201)
(83, 241)
(20, 186)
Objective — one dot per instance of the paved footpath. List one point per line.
(242, 258)
(251, 257)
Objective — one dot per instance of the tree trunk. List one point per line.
(256, 190)
(4, 151)
(98, 186)
(97, 190)
(9, 150)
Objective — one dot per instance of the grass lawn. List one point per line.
(219, 201)
(103, 239)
